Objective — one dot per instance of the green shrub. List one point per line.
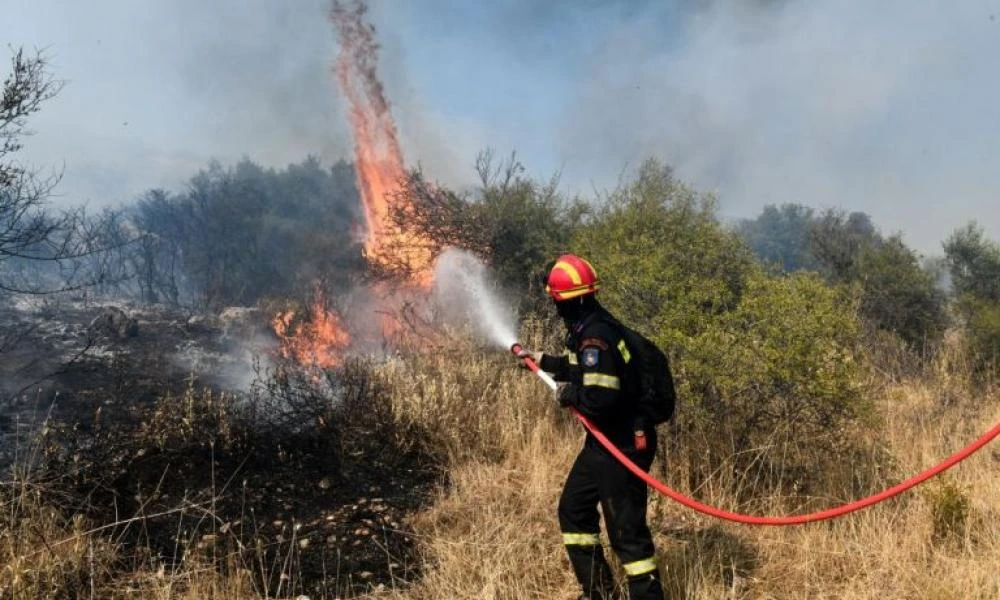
(778, 377)
(983, 332)
(666, 262)
(767, 367)
(974, 265)
(950, 507)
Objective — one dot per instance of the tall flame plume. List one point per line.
(320, 339)
(378, 159)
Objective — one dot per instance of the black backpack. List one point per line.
(655, 383)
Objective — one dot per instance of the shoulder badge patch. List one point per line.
(590, 357)
(594, 341)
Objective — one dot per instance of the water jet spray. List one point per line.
(467, 296)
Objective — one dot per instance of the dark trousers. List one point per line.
(597, 478)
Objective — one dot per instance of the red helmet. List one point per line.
(571, 277)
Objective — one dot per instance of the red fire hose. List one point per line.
(758, 520)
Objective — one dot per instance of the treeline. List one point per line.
(234, 235)
(898, 292)
(518, 223)
(237, 235)
(771, 325)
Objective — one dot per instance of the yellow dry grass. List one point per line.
(491, 531)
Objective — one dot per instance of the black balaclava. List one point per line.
(574, 310)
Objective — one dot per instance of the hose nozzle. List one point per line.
(516, 349)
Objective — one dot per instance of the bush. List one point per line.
(775, 380)
(766, 367)
(974, 265)
(983, 330)
(950, 506)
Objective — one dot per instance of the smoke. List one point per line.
(887, 107)
(465, 296)
(254, 76)
(166, 87)
(890, 108)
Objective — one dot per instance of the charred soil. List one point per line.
(303, 481)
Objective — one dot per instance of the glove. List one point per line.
(566, 394)
(534, 355)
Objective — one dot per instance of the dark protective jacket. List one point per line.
(603, 386)
(600, 384)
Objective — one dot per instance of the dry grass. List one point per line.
(491, 532)
(893, 550)
(42, 553)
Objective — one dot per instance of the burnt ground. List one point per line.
(53, 347)
(172, 430)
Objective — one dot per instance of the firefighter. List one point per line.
(596, 380)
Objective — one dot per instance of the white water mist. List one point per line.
(467, 296)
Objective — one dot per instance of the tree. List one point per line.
(896, 293)
(836, 241)
(780, 236)
(242, 233)
(974, 265)
(157, 259)
(34, 241)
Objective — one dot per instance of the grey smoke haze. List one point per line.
(891, 107)
(156, 89)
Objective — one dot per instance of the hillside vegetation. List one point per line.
(791, 399)
(817, 361)
(488, 531)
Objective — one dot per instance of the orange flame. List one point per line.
(378, 159)
(321, 340)
(317, 341)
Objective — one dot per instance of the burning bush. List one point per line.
(314, 337)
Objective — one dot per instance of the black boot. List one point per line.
(593, 573)
(645, 587)
(610, 593)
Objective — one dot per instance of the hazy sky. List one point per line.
(889, 107)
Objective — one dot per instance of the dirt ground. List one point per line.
(184, 432)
